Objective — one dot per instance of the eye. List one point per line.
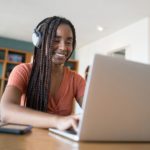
(69, 42)
(56, 41)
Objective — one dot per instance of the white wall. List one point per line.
(135, 38)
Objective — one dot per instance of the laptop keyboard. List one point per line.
(71, 131)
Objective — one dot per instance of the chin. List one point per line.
(58, 63)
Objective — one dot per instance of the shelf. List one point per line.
(12, 62)
(5, 79)
(9, 58)
(16, 57)
(72, 64)
(2, 54)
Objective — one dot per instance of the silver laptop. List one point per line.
(116, 104)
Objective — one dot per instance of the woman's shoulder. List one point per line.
(24, 66)
(23, 69)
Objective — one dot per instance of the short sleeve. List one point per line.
(79, 83)
(19, 76)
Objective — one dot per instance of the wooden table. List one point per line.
(39, 139)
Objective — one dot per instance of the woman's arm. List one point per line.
(11, 111)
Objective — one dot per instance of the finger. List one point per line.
(74, 125)
(77, 117)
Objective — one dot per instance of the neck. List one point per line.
(57, 68)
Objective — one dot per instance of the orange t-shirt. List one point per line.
(72, 86)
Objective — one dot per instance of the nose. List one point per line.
(62, 45)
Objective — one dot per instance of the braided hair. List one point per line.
(38, 88)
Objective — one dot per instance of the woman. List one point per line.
(46, 86)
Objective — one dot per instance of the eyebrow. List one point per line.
(68, 38)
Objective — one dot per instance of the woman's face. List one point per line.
(62, 44)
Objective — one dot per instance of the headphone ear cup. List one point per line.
(36, 38)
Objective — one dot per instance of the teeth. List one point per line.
(61, 55)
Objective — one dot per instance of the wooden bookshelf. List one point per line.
(9, 58)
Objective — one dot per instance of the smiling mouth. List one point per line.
(60, 55)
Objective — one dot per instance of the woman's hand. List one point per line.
(67, 122)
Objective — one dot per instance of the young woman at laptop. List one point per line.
(46, 86)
